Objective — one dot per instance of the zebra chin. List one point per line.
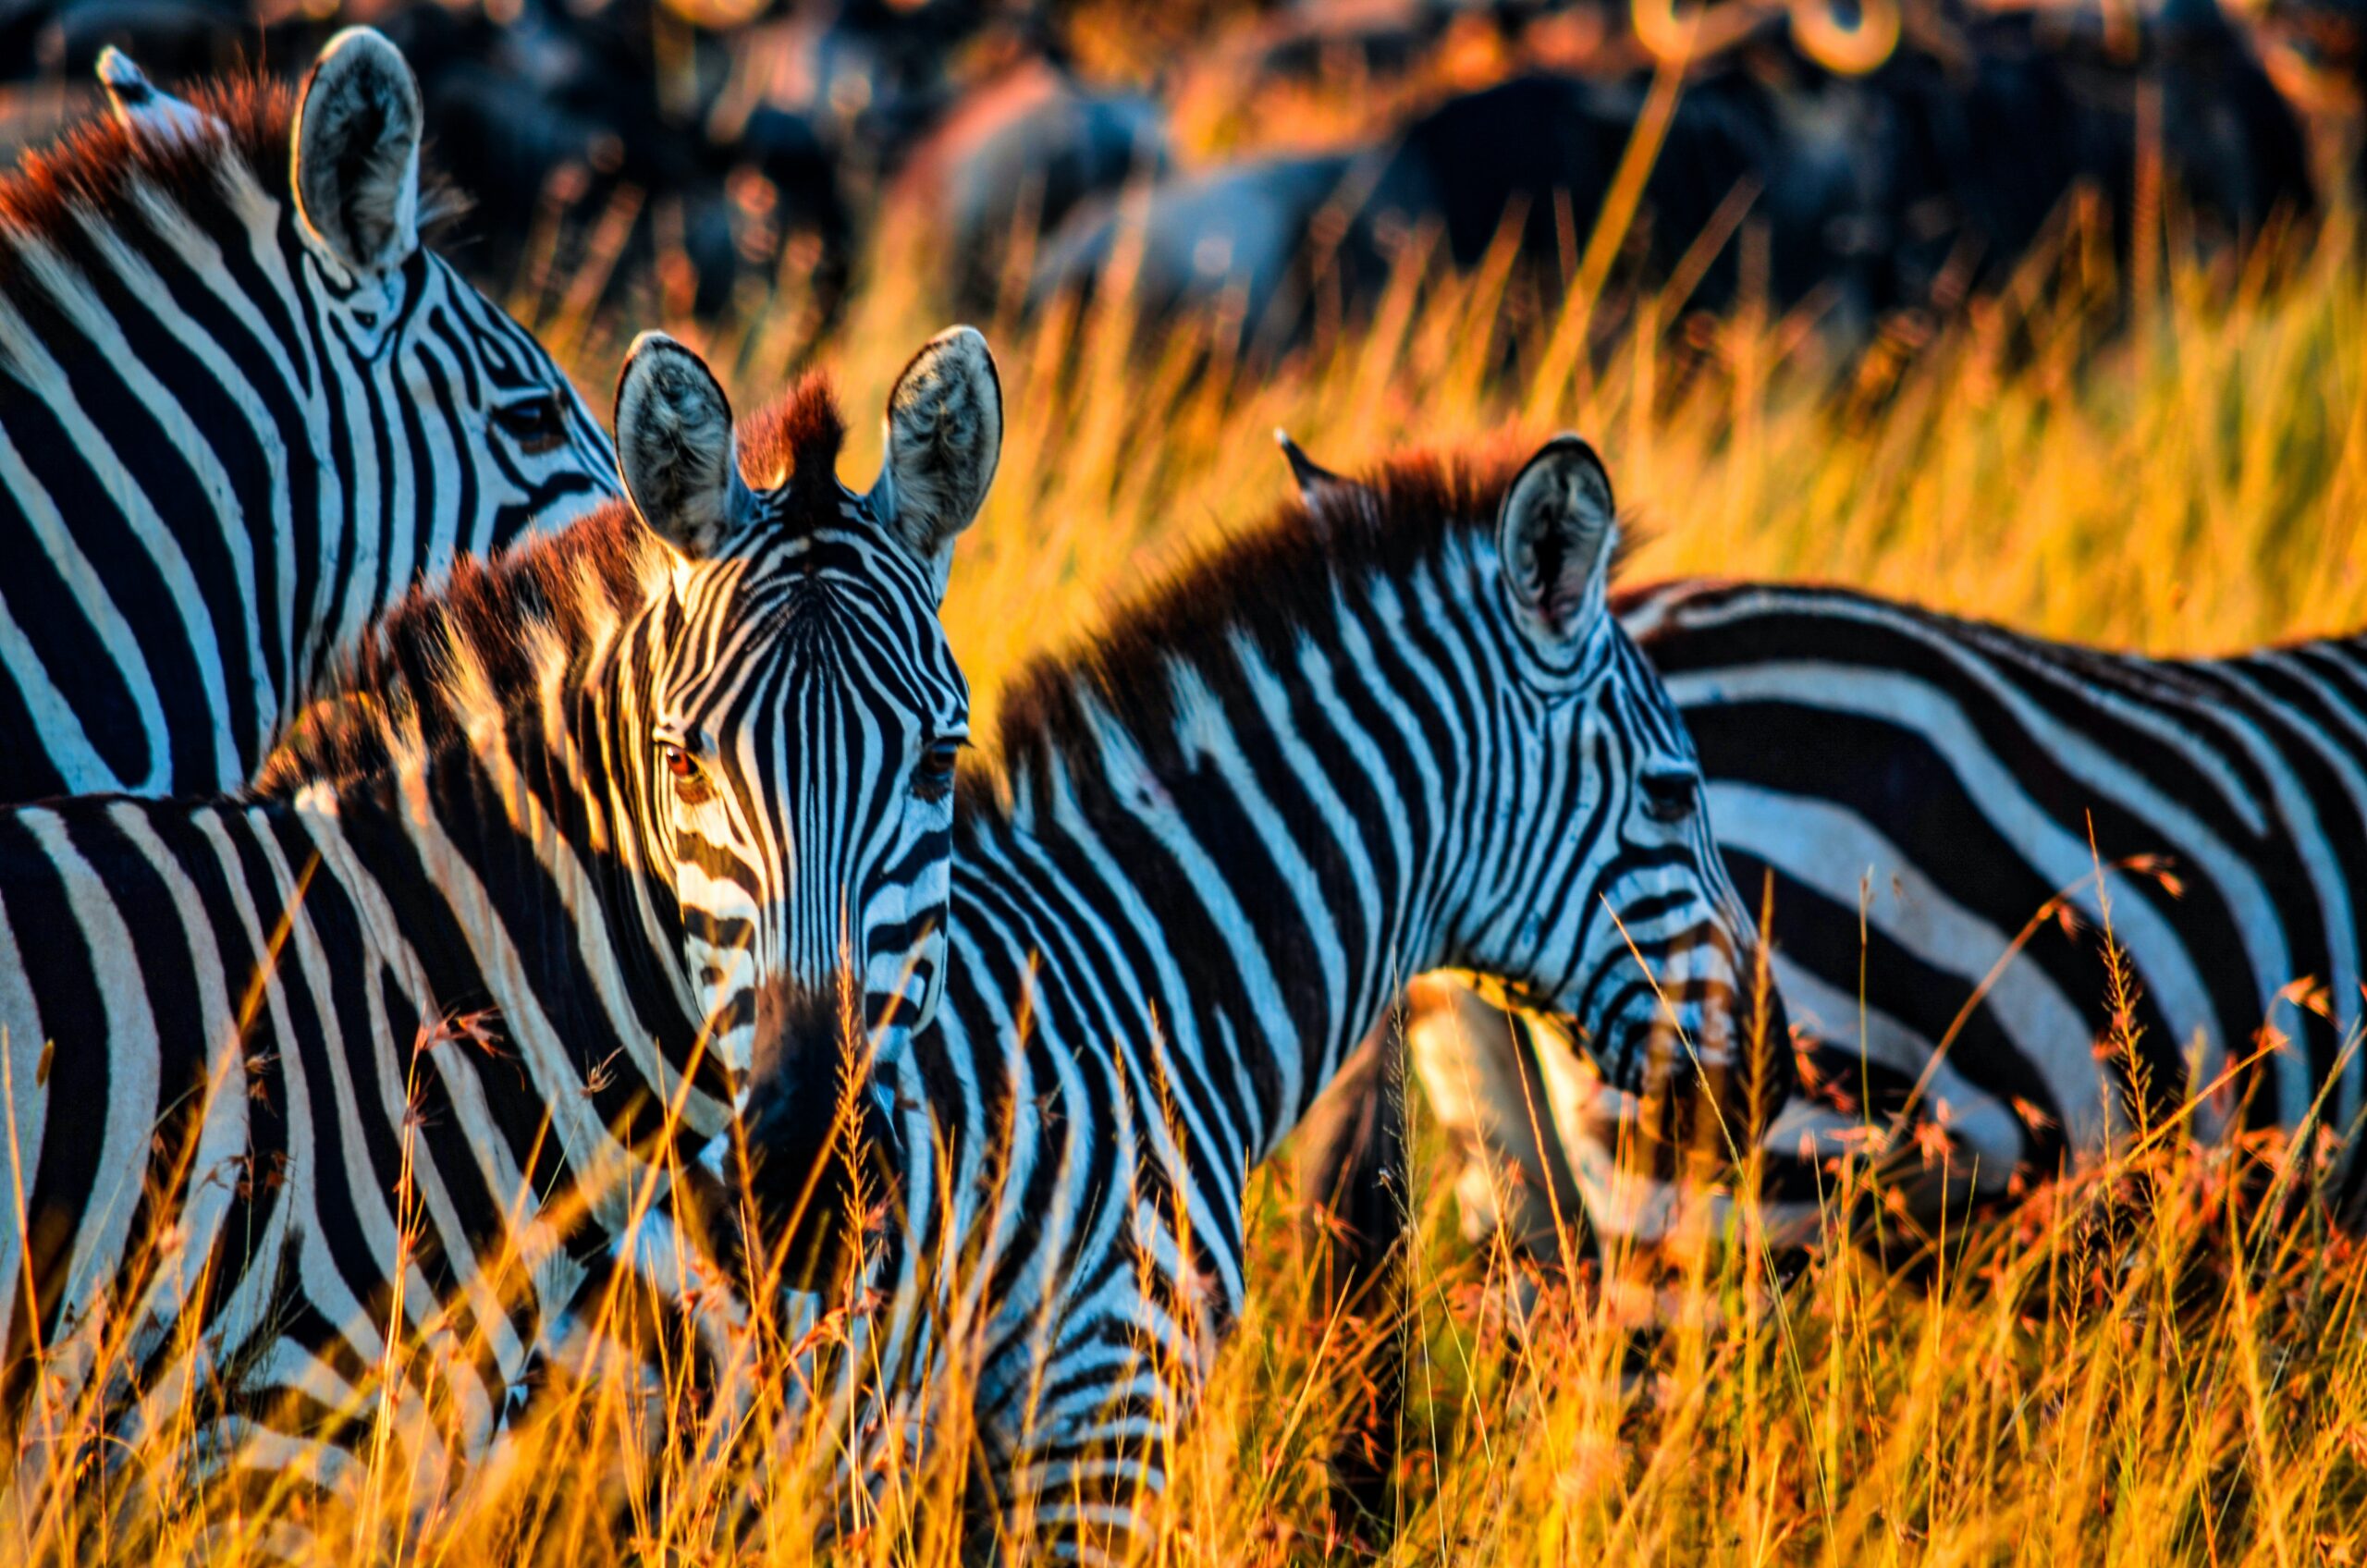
(1707, 1047)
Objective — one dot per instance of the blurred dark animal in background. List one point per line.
(1850, 159)
(1240, 240)
(1900, 190)
(1012, 159)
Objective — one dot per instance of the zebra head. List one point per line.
(1601, 897)
(452, 429)
(803, 711)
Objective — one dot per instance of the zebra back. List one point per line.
(1995, 805)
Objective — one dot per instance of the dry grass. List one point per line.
(2187, 1383)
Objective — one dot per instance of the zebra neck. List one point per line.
(240, 433)
(355, 552)
(1265, 866)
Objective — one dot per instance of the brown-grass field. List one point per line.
(2187, 1383)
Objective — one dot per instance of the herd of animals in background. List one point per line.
(1898, 153)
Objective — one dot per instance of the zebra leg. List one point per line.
(1480, 1074)
(1484, 1073)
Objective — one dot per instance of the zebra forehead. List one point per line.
(805, 655)
(838, 611)
(852, 586)
(102, 164)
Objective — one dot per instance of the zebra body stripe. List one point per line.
(2252, 801)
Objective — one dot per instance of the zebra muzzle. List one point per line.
(814, 1148)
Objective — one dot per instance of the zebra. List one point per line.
(1950, 817)
(1393, 729)
(410, 1044)
(243, 409)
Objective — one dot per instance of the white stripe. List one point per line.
(102, 1229)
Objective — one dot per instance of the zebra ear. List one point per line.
(1556, 536)
(143, 110)
(1312, 477)
(357, 125)
(944, 439)
(675, 450)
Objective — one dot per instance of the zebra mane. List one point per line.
(1270, 584)
(476, 648)
(100, 167)
(491, 638)
(795, 440)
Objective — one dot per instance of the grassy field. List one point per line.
(2103, 1382)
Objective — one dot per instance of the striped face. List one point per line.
(802, 736)
(491, 440)
(803, 710)
(1630, 928)
(1608, 901)
(473, 433)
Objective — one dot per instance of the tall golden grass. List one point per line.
(2103, 1380)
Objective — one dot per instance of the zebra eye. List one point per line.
(933, 779)
(1672, 797)
(538, 424)
(692, 786)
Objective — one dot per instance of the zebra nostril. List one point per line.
(710, 976)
